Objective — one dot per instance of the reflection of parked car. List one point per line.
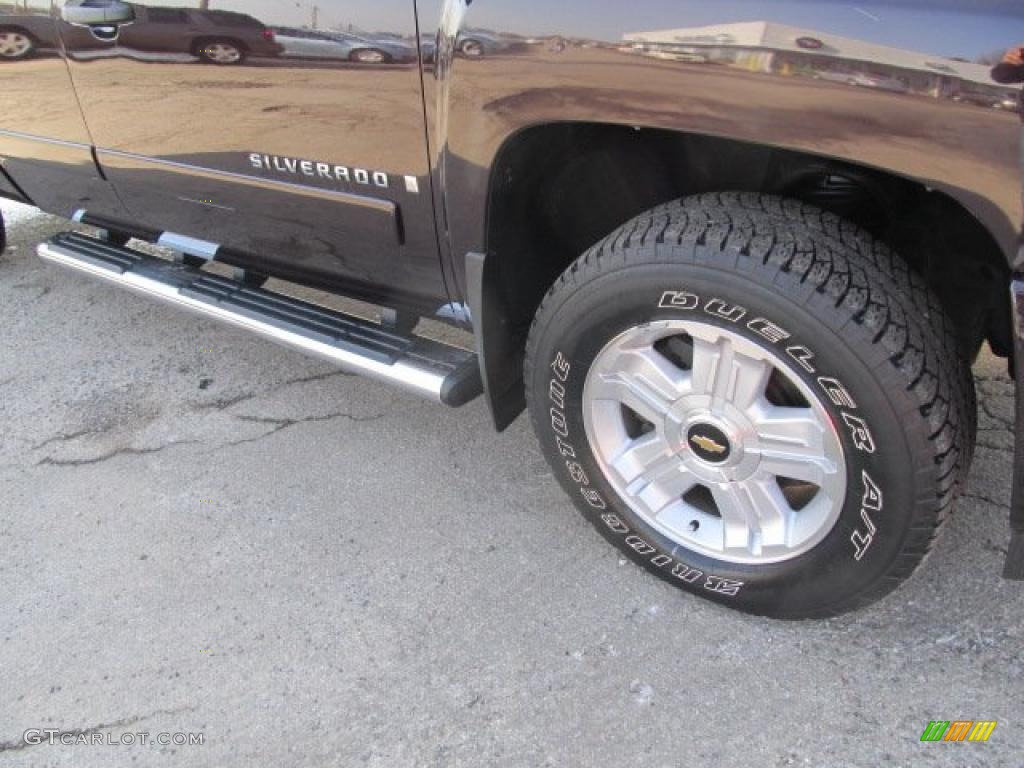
(670, 55)
(1009, 103)
(987, 100)
(864, 80)
(216, 37)
(474, 43)
(318, 44)
(977, 99)
(471, 43)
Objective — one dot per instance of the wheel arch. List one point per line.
(554, 189)
(20, 28)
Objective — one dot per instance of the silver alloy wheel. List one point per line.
(222, 53)
(714, 441)
(472, 48)
(14, 45)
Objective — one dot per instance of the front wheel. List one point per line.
(368, 56)
(15, 45)
(221, 52)
(754, 400)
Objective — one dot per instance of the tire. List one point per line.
(15, 45)
(369, 56)
(221, 52)
(791, 514)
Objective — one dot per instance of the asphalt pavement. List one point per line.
(203, 533)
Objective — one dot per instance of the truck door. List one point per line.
(211, 122)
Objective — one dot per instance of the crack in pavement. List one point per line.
(64, 437)
(129, 451)
(43, 289)
(279, 424)
(986, 499)
(221, 405)
(993, 447)
(14, 746)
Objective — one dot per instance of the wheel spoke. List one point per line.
(754, 513)
(808, 469)
(725, 374)
(792, 444)
(640, 455)
(652, 473)
(641, 379)
(662, 484)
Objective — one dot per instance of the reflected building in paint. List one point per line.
(772, 48)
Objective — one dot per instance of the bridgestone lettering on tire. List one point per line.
(755, 400)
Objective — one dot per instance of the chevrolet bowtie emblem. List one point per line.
(707, 444)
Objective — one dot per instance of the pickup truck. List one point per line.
(738, 298)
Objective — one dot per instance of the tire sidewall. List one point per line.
(884, 441)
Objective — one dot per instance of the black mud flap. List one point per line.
(1014, 568)
(499, 351)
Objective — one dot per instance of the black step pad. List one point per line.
(312, 321)
(98, 253)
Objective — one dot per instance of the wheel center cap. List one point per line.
(709, 443)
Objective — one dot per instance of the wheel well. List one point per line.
(557, 189)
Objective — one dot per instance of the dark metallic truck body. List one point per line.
(461, 184)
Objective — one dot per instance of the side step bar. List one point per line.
(425, 367)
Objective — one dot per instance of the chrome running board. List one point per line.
(429, 368)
